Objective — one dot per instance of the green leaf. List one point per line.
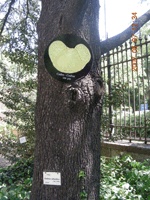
(81, 174)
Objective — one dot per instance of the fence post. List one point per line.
(110, 95)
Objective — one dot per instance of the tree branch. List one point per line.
(119, 39)
(27, 9)
(6, 16)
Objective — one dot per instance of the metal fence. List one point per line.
(126, 108)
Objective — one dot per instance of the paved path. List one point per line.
(4, 162)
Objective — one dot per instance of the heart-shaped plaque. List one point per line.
(68, 58)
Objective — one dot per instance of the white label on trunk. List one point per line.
(22, 140)
(51, 178)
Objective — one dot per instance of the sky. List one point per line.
(118, 15)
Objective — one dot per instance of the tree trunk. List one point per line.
(68, 115)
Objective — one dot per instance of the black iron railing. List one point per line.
(126, 109)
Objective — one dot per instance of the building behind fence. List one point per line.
(126, 108)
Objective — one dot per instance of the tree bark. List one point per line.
(68, 115)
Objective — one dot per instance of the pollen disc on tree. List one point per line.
(68, 58)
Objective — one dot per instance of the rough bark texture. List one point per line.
(68, 115)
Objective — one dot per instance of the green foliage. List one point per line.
(121, 178)
(16, 181)
(82, 175)
(23, 121)
(8, 144)
(124, 178)
(83, 194)
(116, 98)
(18, 75)
(134, 98)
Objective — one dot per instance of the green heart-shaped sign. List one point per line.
(68, 58)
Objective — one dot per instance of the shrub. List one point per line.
(16, 180)
(124, 178)
(121, 178)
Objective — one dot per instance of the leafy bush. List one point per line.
(16, 181)
(115, 99)
(12, 149)
(18, 95)
(18, 75)
(124, 178)
(121, 178)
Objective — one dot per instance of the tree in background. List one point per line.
(18, 75)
